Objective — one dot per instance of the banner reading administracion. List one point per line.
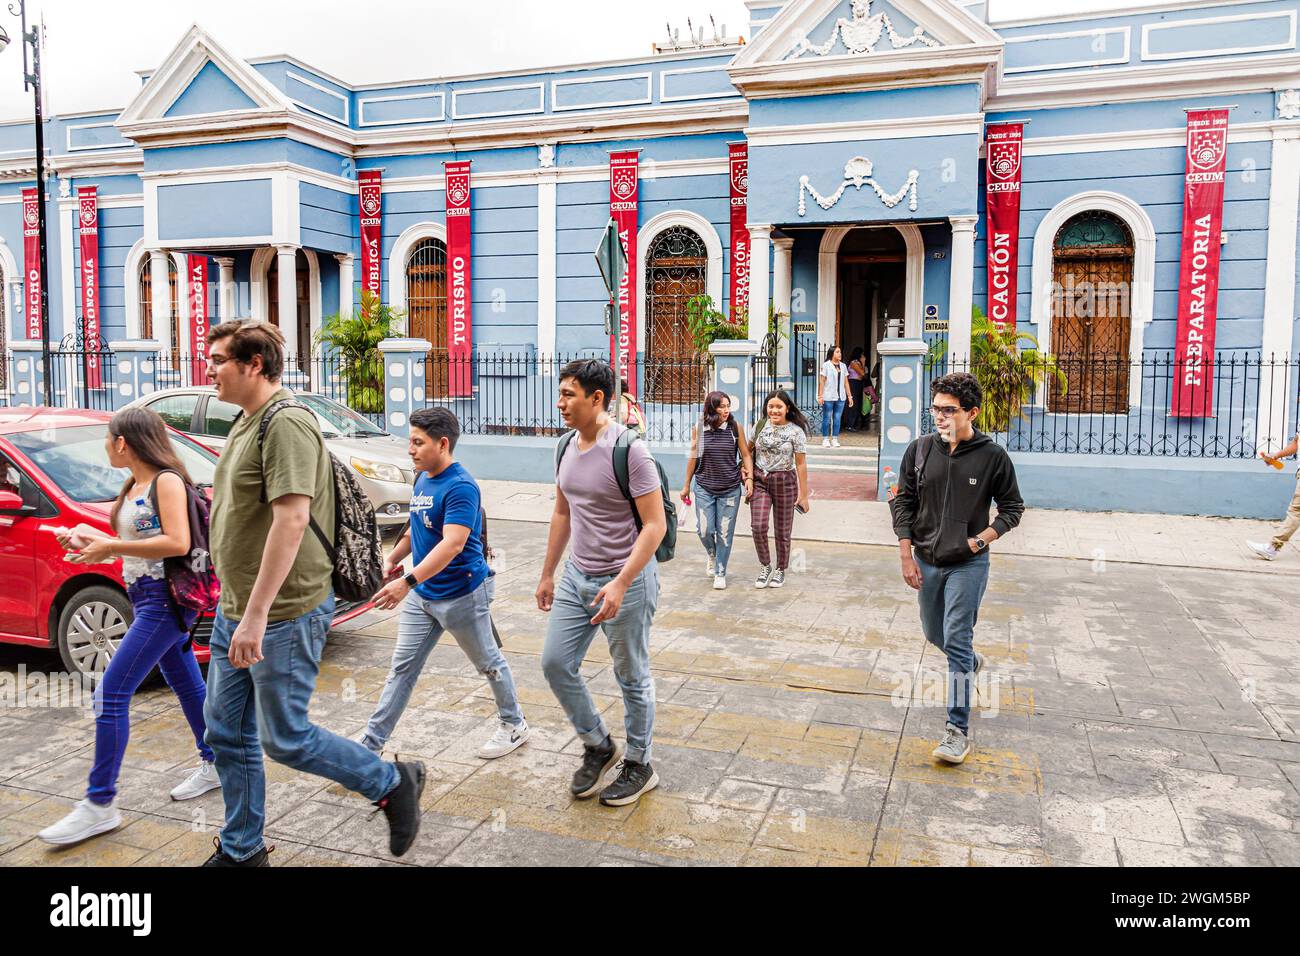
(623, 192)
(738, 155)
(32, 262)
(1198, 280)
(460, 305)
(198, 270)
(88, 222)
(1002, 195)
(370, 188)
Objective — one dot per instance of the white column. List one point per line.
(286, 275)
(346, 280)
(782, 284)
(70, 235)
(546, 249)
(160, 310)
(1279, 290)
(225, 288)
(961, 290)
(760, 249)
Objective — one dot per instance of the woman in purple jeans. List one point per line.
(158, 635)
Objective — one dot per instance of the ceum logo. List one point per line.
(1004, 160)
(30, 214)
(740, 175)
(458, 192)
(370, 202)
(624, 182)
(1207, 147)
(88, 212)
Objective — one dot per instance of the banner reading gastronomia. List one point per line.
(198, 270)
(460, 306)
(88, 220)
(32, 262)
(370, 192)
(738, 155)
(1002, 194)
(623, 210)
(1198, 280)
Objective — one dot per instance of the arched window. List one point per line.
(1092, 275)
(676, 269)
(146, 302)
(4, 330)
(301, 279)
(426, 308)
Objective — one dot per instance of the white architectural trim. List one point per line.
(67, 232)
(1172, 137)
(11, 285)
(716, 68)
(1276, 339)
(1142, 295)
(646, 235)
(261, 301)
(135, 256)
(959, 124)
(306, 81)
(1161, 6)
(1124, 31)
(569, 174)
(456, 112)
(438, 95)
(586, 80)
(75, 149)
(411, 237)
(961, 288)
(828, 261)
(546, 265)
(1150, 28)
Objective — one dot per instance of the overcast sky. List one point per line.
(94, 47)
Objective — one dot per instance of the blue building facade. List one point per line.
(865, 123)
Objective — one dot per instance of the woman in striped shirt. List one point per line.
(723, 473)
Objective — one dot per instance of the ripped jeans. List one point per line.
(421, 623)
(716, 517)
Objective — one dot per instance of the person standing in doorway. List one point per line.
(277, 602)
(832, 395)
(450, 588)
(780, 446)
(854, 418)
(1291, 523)
(941, 518)
(723, 472)
(610, 583)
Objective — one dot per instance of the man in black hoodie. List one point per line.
(941, 517)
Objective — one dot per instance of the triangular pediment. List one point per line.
(198, 78)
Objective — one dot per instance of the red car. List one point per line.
(54, 473)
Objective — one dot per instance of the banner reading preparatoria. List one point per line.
(88, 222)
(370, 189)
(739, 161)
(1198, 280)
(198, 270)
(623, 209)
(32, 262)
(460, 315)
(1002, 199)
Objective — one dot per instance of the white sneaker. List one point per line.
(835, 443)
(826, 443)
(508, 737)
(777, 579)
(764, 573)
(1265, 551)
(720, 582)
(708, 567)
(85, 821)
(199, 782)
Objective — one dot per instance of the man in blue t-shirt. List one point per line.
(450, 588)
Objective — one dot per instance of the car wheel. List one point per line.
(91, 626)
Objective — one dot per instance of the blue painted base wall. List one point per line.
(533, 459)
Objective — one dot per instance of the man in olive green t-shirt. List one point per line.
(277, 604)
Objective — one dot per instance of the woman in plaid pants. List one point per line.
(779, 443)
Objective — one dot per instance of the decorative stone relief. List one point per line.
(1288, 104)
(65, 188)
(861, 34)
(857, 173)
(546, 155)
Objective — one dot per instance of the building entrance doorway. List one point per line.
(872, 289)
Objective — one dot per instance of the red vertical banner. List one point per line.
(88, 223)
(460, 303)
(32, 262)
(623, 194)
(738, 159)
(198, 274)
(1003, 143)
(1198, 279)
(370, 193)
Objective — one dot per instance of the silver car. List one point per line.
(378, 459)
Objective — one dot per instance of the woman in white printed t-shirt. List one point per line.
(833, 394)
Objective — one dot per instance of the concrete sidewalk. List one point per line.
(1168, 540)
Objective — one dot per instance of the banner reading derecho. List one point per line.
(1198, 280)
(370, 190)
(198, 272)
(88, 219)
(738, 155)
(32, 262)
(1002, 194)
(623, 209)
(460, 314)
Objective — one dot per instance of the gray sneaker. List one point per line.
(777, 579)
(764, 575)
(954, 747)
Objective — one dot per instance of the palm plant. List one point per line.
(707, 324)
(355, 340)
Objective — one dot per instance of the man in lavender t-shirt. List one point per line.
(610, 583)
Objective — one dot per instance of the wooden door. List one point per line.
(676, 269)
(426, 309)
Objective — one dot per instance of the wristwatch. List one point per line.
(410, 580)
(980, 544)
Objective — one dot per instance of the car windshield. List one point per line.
(339, 419)
(75, 460)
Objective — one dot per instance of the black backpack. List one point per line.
(668, 546)
(357, 555)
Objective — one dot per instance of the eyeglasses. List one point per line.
(944, 411)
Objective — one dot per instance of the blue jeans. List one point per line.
(950, 598)
(571, 632)
(469, 618)
(831, 414)
(266, 706)
(156, 637)
(716, 517)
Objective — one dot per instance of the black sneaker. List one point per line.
(596, 762)
(402, 806)
(633, 780)
(220, 859)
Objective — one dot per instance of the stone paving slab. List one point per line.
(1133, 714)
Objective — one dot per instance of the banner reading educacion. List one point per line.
(198, 270)
(1002, 199)
(88, 220)
(460, 305)
(623, 193)
(1198, 279)
(738, 158)
(32, 262)
(370, 193)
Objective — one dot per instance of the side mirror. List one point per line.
(12, 504)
